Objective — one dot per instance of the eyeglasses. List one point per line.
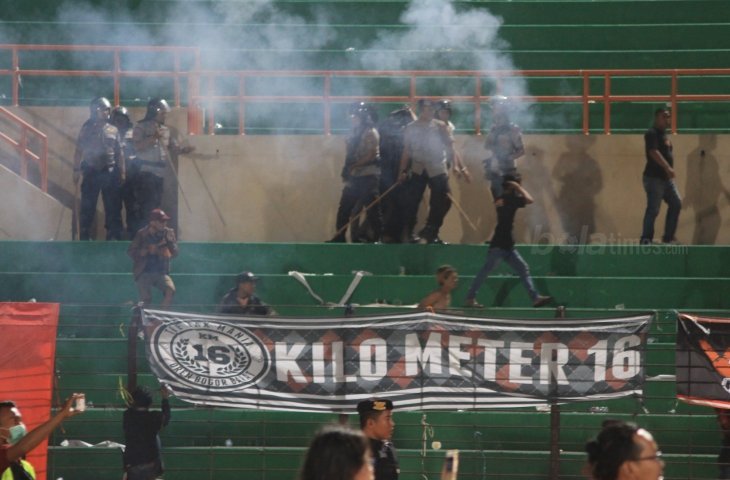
(657, 456)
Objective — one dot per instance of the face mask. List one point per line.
(16, 433)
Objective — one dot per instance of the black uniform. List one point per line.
(391, 148)
(101, 153)
(229, 304)
(361, 188)
(141, 428)
(136, 216)
(386, 460)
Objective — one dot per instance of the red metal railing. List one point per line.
(116, 72)
(607, 98)
(209, 100)
(23, 144)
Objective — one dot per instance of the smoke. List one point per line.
(268, 35)
(437, 36)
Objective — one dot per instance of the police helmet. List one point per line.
(498, 101)
(155, 106)
(444, 105)
(97, 104)
(120, 117)
(364, 111)
(425, 102)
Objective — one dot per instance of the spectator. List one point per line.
(16, 441)
(99, 157)
(658, 179)
(502, 244)
(440, 299)
(428, 149)
(622, 451)
(337, 453)
(142, 458)
(242, 299)
(151, 251)
(376, 422)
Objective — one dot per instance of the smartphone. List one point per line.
(451, 465)
(80, 404)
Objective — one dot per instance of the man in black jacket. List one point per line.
(142, 459)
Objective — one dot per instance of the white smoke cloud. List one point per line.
(266, 35)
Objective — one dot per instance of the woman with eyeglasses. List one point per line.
(623, 451)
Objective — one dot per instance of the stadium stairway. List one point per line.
(95, 288)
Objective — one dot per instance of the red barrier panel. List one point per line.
(27, 352)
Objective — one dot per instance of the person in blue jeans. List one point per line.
(658, 179)
(502, 244)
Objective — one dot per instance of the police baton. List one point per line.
(461, 211)
(177, 180)
(370, 205)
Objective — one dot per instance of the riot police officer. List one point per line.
(361, 174)
(504, 141)
(134, 216)
(444, 112)
(154, 144)
(376, 422)
(428, 149)
(99, 158)
(391, 148)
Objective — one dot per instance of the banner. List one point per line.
(422, 361)
(27, 352)
(703, 360)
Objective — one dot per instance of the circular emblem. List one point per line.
(213, 355)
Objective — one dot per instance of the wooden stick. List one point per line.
(462, 212)
(372, 204)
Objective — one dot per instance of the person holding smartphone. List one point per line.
(376, 422)
(16, 441)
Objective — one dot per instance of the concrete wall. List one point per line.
(286, 188)
(26, 213)
(589, 188)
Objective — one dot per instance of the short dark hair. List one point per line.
(444, 271)
(141, 397)
(371, 415)
(660, 111)
(511, 177)
(613, 446)
(336, 453)
(7, 404)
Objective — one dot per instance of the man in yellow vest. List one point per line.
(16, 441)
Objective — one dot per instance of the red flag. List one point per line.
(27, 353)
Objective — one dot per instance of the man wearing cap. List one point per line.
(151, 250)
(242, 299)
(376, 422)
